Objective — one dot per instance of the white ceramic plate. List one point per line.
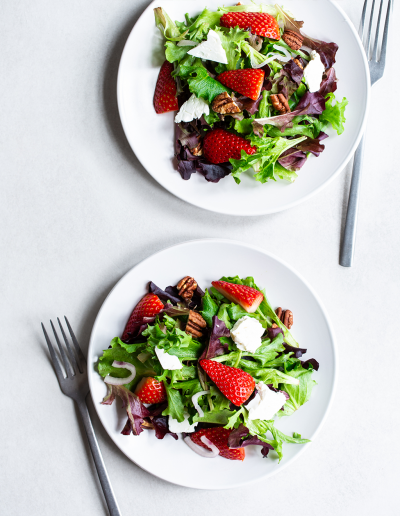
(151, 136)
(207, 260)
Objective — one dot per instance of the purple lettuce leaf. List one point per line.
(311, 145)
(215, 348)
(293, 159)
(251, 106)
(313, 103)
(312, 362)
(161, 428)
(328, 84)
(280, 121)
(327, 51)
(274, 332)
(134, 407)
(186, 169)
(240, 438)
(165, 295)
(212, 172)
(289, 78)
(187, 136)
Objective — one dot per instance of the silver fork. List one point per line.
(75, 385)
(376, 69)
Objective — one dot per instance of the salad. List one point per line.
(216, 367)
(251, 91)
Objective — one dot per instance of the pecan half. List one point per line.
(297, 61)
(195, 325)
(186, 287)
(224, 103)
(286, 316)
(280, 103)
(198, 150)
(293, 39)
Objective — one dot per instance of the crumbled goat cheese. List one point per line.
(191, 109)
(247, 334)
(210, 49)
(313, 72)
(168, 361)
(266, 403)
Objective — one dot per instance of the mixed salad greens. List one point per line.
(194, 332)
(284, 124)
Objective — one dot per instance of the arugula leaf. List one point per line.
(204, 86)
(299, 394)
(231, 40)
(265, 106)
(334, 114)
(175, 407)
(210, 308)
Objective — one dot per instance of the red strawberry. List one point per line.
(248, 82)
(149, 306)
(247, 297)
(165, 92)
(231, 381)
(219, 146)
(262, 24)
(150, 390)
(219, 437)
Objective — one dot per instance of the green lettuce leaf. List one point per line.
(204, 86)
(334, 114)
(119, 352)
(206, 20)
(167, 27)
(299, 394)
(210, 308)
(232, 40)
(174, 53)
(175, 407)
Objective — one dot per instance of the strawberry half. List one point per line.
(150, 390)
(149, 306)
(262, 24)
(219, 437)
(247, 297)
(248, 82)
(165, 92)
(219, 146)
(231, 381)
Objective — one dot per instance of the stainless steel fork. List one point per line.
(75, 385)
(377, 63)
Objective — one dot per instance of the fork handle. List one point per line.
(98, 460)
(349, 237)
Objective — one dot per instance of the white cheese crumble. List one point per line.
(191, 109)
(314, 71)
(266, 403)
(210, 49)
(176, 427)
(168, 361)
(247, 334)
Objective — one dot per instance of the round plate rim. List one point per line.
(307, 285)
(223, 208)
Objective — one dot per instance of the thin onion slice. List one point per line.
(121, 381)
(195, 397)
(186, 43)
(283, 50)
(202, 451)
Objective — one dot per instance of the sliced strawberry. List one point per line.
(219, 437)
(149, 306)
(150, 390)
(248, 82)
(262, 24)
(165, 92)
(231, 381)
(247, 297)
(219, 146)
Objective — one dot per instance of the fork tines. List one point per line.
(72, 361)
(372, 47)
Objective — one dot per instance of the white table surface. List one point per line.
(78, 210)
